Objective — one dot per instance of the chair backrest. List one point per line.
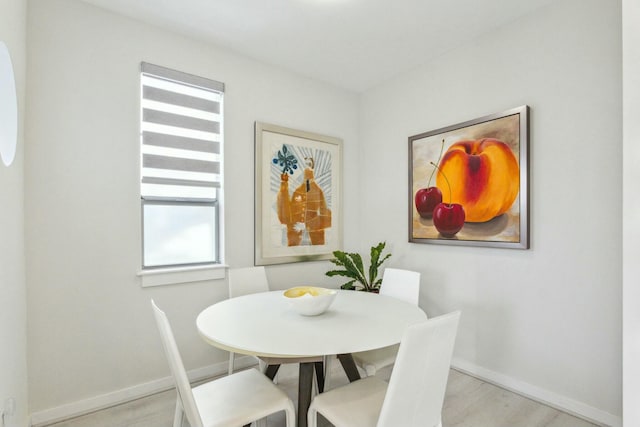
(419, 378)
(247, 280)
(185, 394)
(401, 284)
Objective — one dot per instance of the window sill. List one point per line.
(174, 276)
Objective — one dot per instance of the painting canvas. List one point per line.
(468, 182)
(298, 197)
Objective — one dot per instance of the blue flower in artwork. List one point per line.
(286, 160)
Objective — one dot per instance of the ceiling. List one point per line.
(353, 44)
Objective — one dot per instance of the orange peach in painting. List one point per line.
(484, 177)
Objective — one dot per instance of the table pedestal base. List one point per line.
(349, 366)
(305, 385)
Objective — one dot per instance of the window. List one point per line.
(181, 168)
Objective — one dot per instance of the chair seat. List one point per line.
(373, 360)
(357, 404)
(415, 393)
(248, 396)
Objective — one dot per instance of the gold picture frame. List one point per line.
(298, 195)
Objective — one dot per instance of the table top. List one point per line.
(264, 325)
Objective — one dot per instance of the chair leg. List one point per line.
(370, 370)
(312, 417)
(178, 416)
(315, 386)
(290, 415)
(232, 357)
(328, 361)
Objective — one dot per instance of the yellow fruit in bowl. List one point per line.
(304, 290)
(309, 300)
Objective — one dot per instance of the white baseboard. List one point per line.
(82, 407)
(563, 403)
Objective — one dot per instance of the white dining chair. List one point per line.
(415, 393)
(233, 400)
(400, 284)
(245, 281)
(397, 283)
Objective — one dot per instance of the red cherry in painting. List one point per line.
(426, 199)
(448, 218)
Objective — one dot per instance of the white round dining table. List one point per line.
(264, 325)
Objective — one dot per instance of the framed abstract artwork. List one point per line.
(298, 196)
(468, 182)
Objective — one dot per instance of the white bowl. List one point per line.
(310, 300)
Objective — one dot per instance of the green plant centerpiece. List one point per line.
(353, 268)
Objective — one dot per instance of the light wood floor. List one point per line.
(469, 402)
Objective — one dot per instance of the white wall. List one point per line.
(13, 320)
(545, 321)
(631, 213)
(90, 324)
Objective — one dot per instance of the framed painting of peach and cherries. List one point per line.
(468, 182)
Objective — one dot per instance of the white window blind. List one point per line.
(181, 134)
(181, 167)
